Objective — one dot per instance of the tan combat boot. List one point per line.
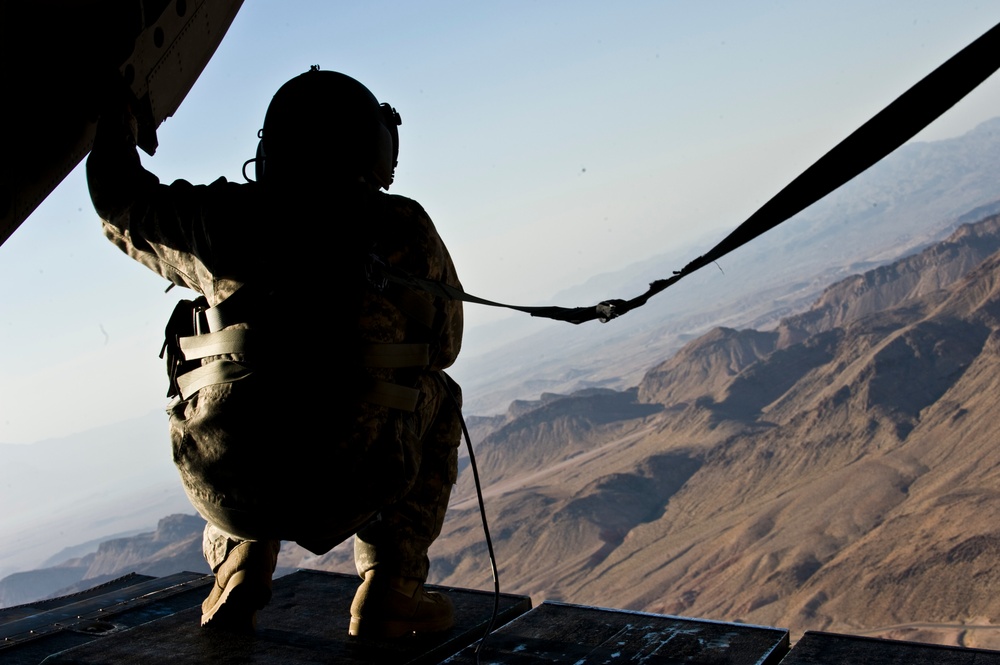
(242, 586)
(392, 606)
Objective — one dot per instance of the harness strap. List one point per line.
(236, 308)
(236, 341)
(396, 355)
(239, 307)
(220, 371)
(215, 344)
(392, 395)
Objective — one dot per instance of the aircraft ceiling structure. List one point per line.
(58, 61)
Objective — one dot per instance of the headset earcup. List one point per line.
(384, 167)
(391, 120)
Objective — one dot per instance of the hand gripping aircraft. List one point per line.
(58, 61)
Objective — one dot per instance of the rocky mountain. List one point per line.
(914, 197)
(174, 546)
(109, 482)
(763, 447)
(938, 266)
(837, 472)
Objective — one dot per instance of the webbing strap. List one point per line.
(220, 371)
(215, 344)
(236, 308)
(890, 128)
(392, 395)
(396, 355)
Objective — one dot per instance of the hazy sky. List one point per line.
(549, 141)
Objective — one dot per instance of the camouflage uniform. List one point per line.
(289, 452)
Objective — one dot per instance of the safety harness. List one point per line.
(196, 331)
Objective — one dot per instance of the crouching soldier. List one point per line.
(309, 401)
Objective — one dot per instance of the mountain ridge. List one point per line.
(758, 473)
(846, 481)
(824, 493)
(915, 197)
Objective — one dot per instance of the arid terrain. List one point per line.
(839, 472)
(833, 468)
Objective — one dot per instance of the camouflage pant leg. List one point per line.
(216, 545)
(399, 540)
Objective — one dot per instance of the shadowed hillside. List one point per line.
(914, 197)
(174, 546)
(840, 472)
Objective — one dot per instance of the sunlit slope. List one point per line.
(839, 472)
(913, 197)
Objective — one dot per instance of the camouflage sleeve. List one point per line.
(417, 248)
(173, 230)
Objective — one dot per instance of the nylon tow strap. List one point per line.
(890, 128)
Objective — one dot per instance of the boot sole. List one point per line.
(236, 609)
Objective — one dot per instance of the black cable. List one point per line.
(489, 541)
(482, 513)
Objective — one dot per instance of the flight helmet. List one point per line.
(323, 124)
